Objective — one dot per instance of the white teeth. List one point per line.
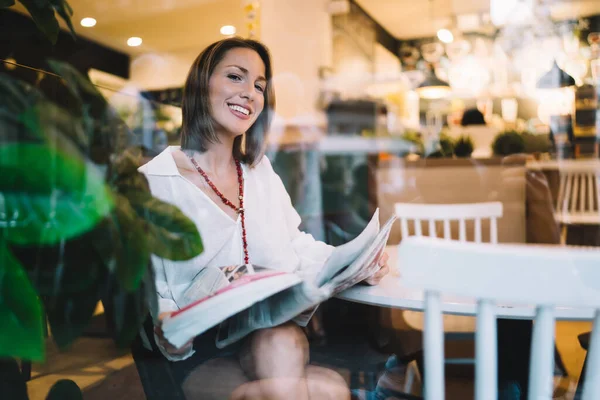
(240, 109)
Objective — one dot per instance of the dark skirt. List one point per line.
(161, 377)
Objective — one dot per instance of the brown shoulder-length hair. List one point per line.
(197, 129)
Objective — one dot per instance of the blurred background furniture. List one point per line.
(436, 220)
(571, 280)
(578, 195)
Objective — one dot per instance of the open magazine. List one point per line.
(254, 297)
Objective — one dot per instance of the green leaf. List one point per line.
(81, 87)
(42, 13)
(172, 234)
(134, 255)
(70, 313)
(50, 122)
(17, 96)
(66, 12)
(56, 270)
(129, 309)
(6, 3)
(124, 176)
(47, 195)
(21, 335)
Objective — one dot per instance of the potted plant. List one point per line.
(536, 143)
(445, 147)
(507, 143)
(78, 222)
(463, 146)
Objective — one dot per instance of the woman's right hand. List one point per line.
(164, 343)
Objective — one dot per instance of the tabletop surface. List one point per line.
(391, 293)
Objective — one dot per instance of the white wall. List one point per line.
(162, 70)
(298, 33)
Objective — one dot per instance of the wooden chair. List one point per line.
(542, 276)
(412, 217)
(578, 195)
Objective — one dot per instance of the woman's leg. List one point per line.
(276, 361)
(216, 379)
(276, 352)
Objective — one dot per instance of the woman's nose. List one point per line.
(247, 92)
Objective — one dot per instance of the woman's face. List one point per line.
(236, 89)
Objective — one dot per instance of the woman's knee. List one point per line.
(276, 352)
(285, 339)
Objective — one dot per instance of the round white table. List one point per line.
(391, 293)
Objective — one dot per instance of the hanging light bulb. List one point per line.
(433, 87)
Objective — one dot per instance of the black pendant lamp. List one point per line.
(433, 87)
(555, 78)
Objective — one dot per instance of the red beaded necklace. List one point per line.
(240, 210)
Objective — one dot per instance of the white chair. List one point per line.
(413, 216)
(540, 276)
(578, 196)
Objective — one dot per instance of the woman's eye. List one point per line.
(260, 88)
(234, 77)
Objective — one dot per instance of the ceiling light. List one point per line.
(228, 30)
(134, 41)
(445, 35)
(433, 87)
(88, 22)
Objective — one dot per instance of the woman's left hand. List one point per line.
(383, 270)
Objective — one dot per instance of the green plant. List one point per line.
(445, 147)
(43, 14)
(536, 143)
(416, 139)
(77, 220)
(508, 142)
(463, 147)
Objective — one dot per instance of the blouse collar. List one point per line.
(164, 164)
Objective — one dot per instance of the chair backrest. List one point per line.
(578, 188)
(497, 274)
(446, 213)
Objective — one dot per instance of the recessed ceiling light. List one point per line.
(228, 30)
(445, 35)
(88, 22)
(134, 41)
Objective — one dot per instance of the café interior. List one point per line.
(475, 122)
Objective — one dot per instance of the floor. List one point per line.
(104, 372)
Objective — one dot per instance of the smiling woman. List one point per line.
(243, 211)
(235, 74)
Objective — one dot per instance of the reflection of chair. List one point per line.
(539, 276)
(457, 327)
(578, 195)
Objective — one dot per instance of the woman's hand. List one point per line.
(383, 271)
(165, 343)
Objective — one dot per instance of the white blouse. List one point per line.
(272, 233)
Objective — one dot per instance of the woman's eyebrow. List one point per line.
(245, 71)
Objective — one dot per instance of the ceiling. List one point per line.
(178, 25)
(164, 25)
(398, 16)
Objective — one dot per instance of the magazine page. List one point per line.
(272, 311)
(365, 265)
(345, 254)
(245, 289)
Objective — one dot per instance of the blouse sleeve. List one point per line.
(165, 304)
(312, 253)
